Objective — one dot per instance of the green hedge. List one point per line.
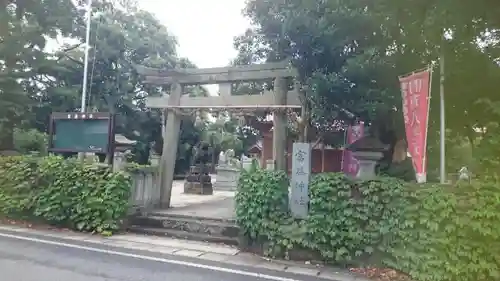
(350, 221)
(430, 232)
(451, 233)
(262, 204)
(62, 192)
(346, 221)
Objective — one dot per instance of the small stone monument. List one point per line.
(154, 159)
(119, 161)
(246, 162)
(368, 151)
(463, 174)
(228, 172)
(222, 159)
(270, 164)
(199, 181)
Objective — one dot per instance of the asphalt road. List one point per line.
(22, 260)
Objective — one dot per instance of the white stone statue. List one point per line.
(229, 154)
(227, 171)
(231, 161)
(463, 173)
(222, 159)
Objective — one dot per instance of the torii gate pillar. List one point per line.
(279, 125)
(170, 143)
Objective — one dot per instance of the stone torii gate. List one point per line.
(277, 101)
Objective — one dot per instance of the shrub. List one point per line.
(351, 221)
(431, 232)
(346, 219)
(403, 170)
(63, 192)
(18, 177)
(32, 140)
(451, 234)
(133, 167)
(262, 204)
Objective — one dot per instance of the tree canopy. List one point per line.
(41, 68)
(36, 80)
(350, 54)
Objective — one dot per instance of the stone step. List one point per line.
(188, 224)
(180, 216)
(218, 186)
(183, 235)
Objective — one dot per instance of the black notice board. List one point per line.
(82, 132)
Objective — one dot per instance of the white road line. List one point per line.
(142, 257)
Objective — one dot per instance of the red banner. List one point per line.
(350, 164)
(415, 90)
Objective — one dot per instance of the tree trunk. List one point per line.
(399, 151)
(215, 159)
(303, 125)
(389, 138)
(6, 137)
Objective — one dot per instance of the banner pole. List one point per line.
(442, 129)
(343, 151)
(429, 68)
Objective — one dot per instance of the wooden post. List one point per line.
(170, 143)
(225, 89)
(442, 122)
(163, 123)
(322, 157)
(279, 125)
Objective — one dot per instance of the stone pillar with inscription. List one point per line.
(301, 172)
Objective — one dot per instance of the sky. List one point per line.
(204, 28)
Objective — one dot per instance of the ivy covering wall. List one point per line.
(63, 192)
(430, 232)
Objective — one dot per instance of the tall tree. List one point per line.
(36, 81)
(25, 29)
(350, 53)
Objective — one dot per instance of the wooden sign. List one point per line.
(82, 132)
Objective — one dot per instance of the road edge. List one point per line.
(242, 264)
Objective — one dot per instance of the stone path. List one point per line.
(220, 205)
(219, 208)
(179, 199)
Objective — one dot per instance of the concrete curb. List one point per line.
(198, 250)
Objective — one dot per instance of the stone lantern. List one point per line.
(122, 146)
(368, 151)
